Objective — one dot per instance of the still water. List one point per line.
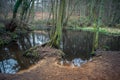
(11, 56)
(76, 44)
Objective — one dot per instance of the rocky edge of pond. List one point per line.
(104, 66)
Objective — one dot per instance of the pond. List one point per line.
(77, 46)
(11, 55)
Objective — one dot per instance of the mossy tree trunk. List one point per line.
(97, 25)
(56, 37)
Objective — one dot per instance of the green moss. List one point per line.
(13, 35)
(32, 52)
(7, 37)
(1, 25)
(106, 47)
(105, 30)
(1, 42)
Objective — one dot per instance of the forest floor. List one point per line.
(105, 66)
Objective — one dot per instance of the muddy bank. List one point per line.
(103, 67)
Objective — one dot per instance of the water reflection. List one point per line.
(11, 56)
(7, 66)
(77, 46)
(108, 42)
(78, 61)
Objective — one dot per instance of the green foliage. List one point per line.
(73, 22)
(84, 21)
(7, 37)
(2, 28)
(32, 52)
(106, 47)
(1, 25)
(117, 26)
(1, 42)
(40, 22)
(81, 22)
(14, 35)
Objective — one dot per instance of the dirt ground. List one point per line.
(105, 66)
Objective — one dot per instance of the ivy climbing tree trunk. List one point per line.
(56, 37)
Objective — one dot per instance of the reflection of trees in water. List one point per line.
(109, 42)
(3, 57)
(77, 44)
(15, 50)
(114, 43)
(2, 68)
(18, 61)
(29, 40)
(41, 38)
(18, 56)
(7, 66)
(33, 37)
(25, 42)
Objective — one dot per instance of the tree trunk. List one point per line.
(97, 25)
(56, 39)
(12, 25)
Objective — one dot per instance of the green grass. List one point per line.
(105, 30)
